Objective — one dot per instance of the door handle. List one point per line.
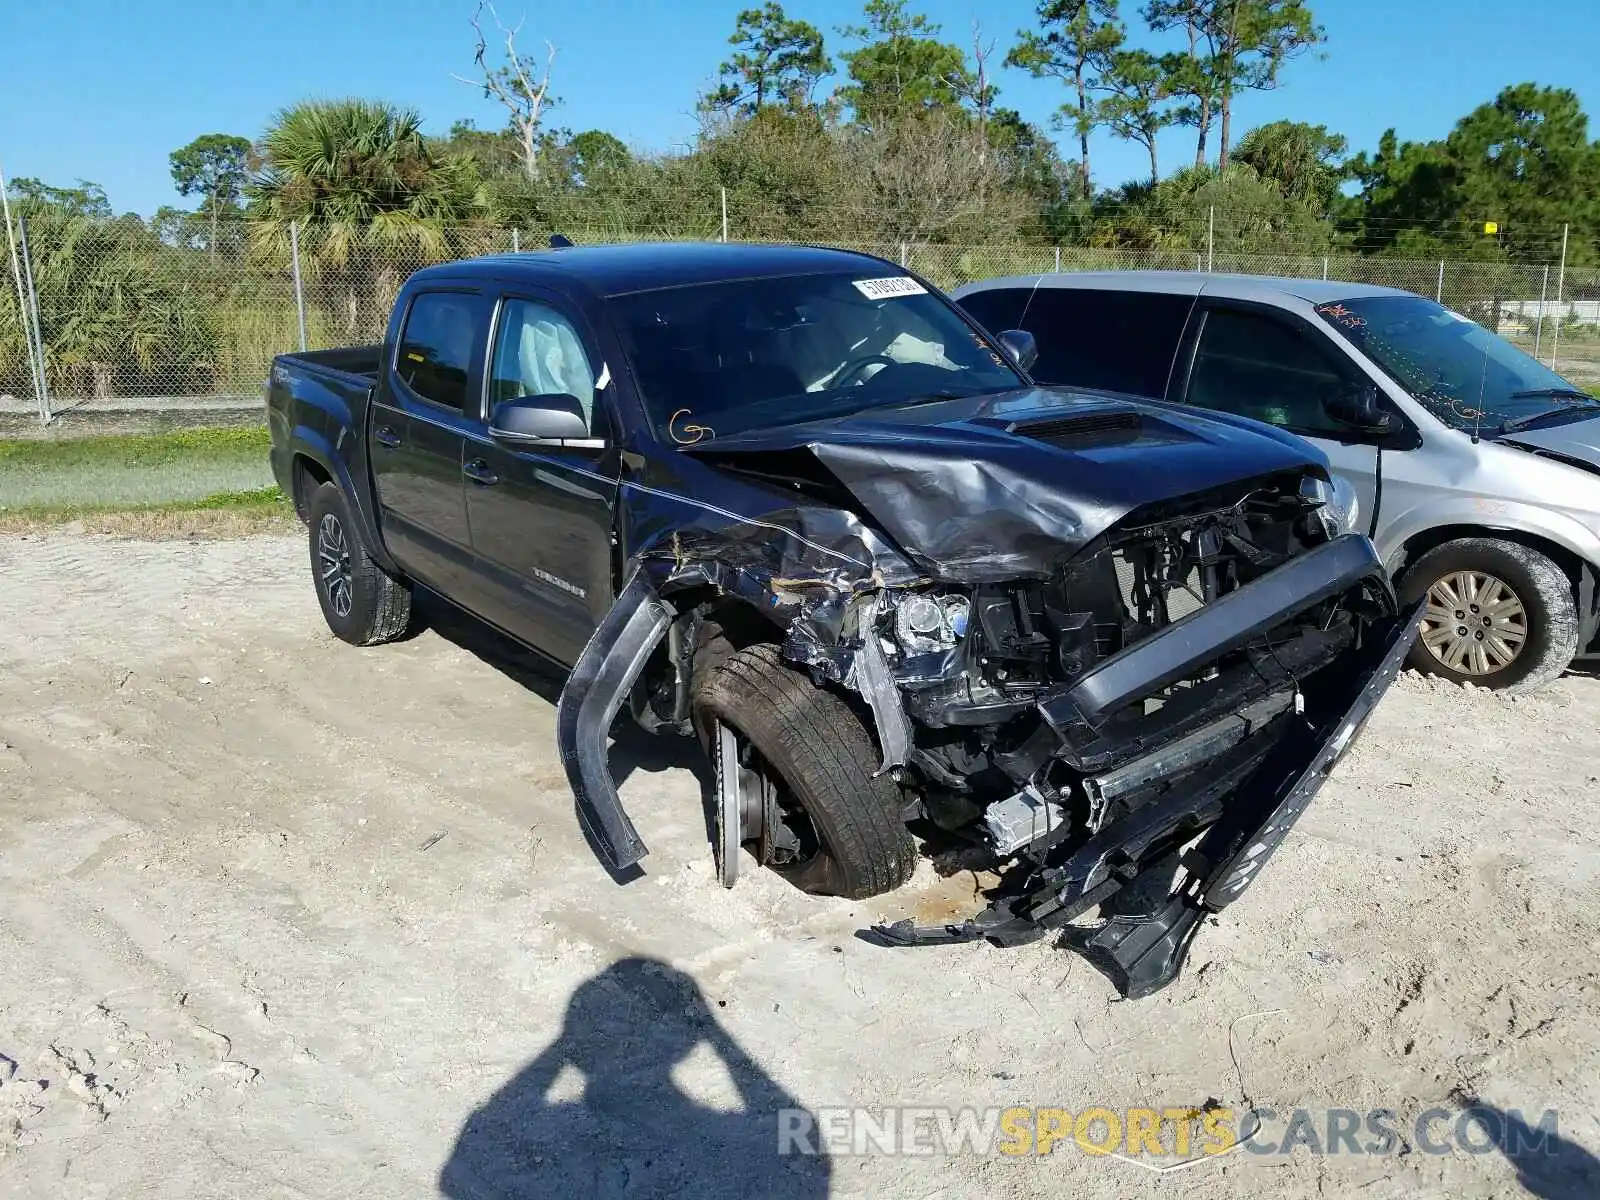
(385, 436)
(478, 471)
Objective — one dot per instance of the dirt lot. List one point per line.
(279, 917)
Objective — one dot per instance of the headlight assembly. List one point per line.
(1339, 509)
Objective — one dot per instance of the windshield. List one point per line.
(1465, 375)
(720, 358)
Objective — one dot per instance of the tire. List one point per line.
(1465, 569)
(361, 603)
(823, 759)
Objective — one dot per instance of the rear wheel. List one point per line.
(362, 605)
(1498, 614)
(813, 810)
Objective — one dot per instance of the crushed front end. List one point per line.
(1133, 722)
(1158, 714)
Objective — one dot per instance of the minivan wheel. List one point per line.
(362, 605)
(1498, 614)
(832, 825)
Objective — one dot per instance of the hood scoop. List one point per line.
(1104, 428)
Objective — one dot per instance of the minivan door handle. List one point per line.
(478, 471)
(386, 436)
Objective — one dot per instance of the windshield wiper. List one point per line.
(944, 394)
(1555, 393)
(1532, 419)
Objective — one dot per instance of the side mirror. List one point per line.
(530, 420)
(1020, 345)
(1359, 408)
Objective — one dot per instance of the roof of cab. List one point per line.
(613, 270)
(1191, 283)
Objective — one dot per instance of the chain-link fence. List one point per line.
(128, 315)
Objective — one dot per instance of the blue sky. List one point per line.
(105, 89)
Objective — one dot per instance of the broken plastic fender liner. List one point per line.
(593, 695)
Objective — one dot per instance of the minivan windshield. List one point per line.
(721, 358)
(1466, 376)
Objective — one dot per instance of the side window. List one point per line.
(435, 353)
(1259, 366)
(1113, 340)
(997, 310)
(538, 352)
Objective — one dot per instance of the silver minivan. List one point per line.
(1476, 468)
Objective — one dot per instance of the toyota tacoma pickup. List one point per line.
(793, 502)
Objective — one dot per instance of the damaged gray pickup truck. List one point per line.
(793, 502)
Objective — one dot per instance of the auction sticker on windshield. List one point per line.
(884, 289)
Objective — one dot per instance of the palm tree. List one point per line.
(117, 312)
(370, 197)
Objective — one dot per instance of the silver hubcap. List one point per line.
(333, 565)
(1474, 623)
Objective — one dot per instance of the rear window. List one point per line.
(436, 347)
(1118, 341)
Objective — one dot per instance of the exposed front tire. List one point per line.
(1499, 614)
(839, 829)
(361, 603)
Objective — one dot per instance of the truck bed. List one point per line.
(318, 401)
(357, 362)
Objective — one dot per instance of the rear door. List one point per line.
(1113, 340)
(1260, 362)
(542, 517)
(419, 425)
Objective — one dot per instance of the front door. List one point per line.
(542, 517)
(1258, 364)
(418, 431)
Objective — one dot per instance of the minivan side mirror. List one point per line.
(1020, 345)
(531, 420)
(1358, 407)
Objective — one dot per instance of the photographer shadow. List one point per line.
(628, 1128)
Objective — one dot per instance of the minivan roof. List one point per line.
(1190, 283)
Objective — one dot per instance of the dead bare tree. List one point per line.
(521, 88)
(978, 89)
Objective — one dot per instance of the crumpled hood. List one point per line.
(1013, 484)
(1578, 440)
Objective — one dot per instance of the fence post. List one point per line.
(724, 192)
(516, 243)
(1199, 263)
(37, 348)
(1561, 283)
(1058, 260)
(1324, 268)
(905, 254)
(22, 305)
(1538, 330)
(299, 290)
(1438, 292)
(1211, 237)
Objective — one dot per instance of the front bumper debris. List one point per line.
(1142, 952)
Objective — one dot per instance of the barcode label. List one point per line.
(886, 289)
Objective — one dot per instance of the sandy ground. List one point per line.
(282, 918)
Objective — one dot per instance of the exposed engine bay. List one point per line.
(1153, 705)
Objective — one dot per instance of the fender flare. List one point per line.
(594, 693)
(306, 442)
